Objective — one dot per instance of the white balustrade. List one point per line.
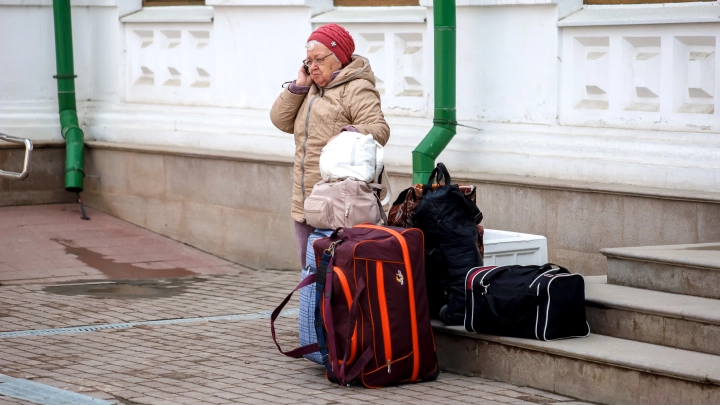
(394, 40)
(641, 76)
(169, 63)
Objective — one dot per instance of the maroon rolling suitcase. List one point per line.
(375, 311)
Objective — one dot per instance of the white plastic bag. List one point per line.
(351, 155)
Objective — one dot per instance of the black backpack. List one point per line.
(448, 219)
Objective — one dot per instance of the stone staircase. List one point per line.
(655, 322)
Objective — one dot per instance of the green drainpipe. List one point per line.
(445, 123)
(71, 131)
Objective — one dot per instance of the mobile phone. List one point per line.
(307, 71)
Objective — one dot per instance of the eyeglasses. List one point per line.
(318, 61)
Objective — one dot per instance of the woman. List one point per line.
(334, 92)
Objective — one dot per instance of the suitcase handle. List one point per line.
(302, 350)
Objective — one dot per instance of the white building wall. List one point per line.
(507, 64)
(609, 95)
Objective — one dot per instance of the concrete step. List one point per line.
(681, 321)
(597, 368)
(680, 269)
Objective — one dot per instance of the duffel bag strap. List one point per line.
(320, 286)
(333, 364)
(560, 269)
(303, 350)
(352, 324)
(547, 268)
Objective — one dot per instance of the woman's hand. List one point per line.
(303, 79)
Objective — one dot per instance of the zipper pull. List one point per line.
(389, 369)
(347, 211)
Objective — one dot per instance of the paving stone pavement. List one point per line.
(217, 362)
(201, 362)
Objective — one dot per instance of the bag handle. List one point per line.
(388, 195)
(440, 172)
(364, 359)
(548, 267)
(559, 269)
(378, 186)
(302, 350)
(352, 324)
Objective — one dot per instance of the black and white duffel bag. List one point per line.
(534, 302)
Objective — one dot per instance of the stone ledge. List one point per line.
(73, 3)
(704, 256)
(577, 186)
(564, 7)
(316, 6)
(380, 15)
(653, 302)
(172, 14)
(197, 153)
(36, 145)
(479, 3)
(642, 14)
(462, 177)
(643, 357)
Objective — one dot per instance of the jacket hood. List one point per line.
(358, 68)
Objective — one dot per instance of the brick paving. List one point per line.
(203, 362)
(52, 243)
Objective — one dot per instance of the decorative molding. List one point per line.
(169, 62)
(662, 77)
(641, 79)
(397, 55)
(671, 165)
(626, 158)
(695, 63)
(592, 73)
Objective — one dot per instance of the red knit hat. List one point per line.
(337, 39)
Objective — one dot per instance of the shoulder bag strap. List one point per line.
(303, 350)
(320, 287)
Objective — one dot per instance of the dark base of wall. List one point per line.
(45, 183)
(238, 206)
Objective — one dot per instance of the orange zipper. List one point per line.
(411, 295)
(348, 297)
(384, 313)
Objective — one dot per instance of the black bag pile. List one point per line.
(449, 219)
(534, 302)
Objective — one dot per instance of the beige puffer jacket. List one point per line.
(314, 118)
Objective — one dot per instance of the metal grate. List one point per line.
(91, 328)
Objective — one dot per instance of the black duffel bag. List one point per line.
(448, 219)
(534, 302)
